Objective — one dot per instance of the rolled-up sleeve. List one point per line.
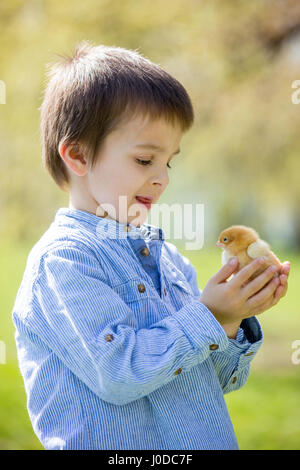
(233, 364)
(94, 332)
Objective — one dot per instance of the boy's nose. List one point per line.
(162, 177)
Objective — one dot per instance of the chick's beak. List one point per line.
(219, 244)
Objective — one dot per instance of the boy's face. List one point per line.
(118, 172)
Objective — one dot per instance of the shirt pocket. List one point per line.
(180, 290)
(143, 300)
(135, 291)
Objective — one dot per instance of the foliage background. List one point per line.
(238, 61)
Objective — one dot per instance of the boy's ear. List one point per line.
(73, 157)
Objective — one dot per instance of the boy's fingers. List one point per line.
(279, 293)
(283, 287)
(274, 298)
(283, 279)
(263, 294)
(258, 283)
(285, 267)
(263, 306)
(225, 271)
(244, 274)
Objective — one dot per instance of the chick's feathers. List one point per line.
(245, 243)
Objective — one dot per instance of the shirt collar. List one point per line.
(109, 228)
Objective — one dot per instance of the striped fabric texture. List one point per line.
(115, 349)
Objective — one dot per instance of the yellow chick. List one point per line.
(244, 242)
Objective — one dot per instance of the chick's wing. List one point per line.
(261, 248)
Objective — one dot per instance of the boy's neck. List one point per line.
(82, 201)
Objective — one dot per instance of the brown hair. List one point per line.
(94, 91)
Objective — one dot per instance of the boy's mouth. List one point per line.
(145, 201)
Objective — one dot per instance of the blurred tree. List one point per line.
(237, 60)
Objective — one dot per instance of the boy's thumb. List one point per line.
(226, 270)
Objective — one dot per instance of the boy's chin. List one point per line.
(137, 215)
(136, 221)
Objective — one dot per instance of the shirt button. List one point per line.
(165, 291)
(249, 354)
(127, 228)
(234, 380)
(109, 337)
(212, 347)
(141, 288)
(178, 371)
(145, 252)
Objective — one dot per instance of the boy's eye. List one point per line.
(144, 162)
(148, 162)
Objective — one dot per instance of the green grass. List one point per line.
(16, 432)
(15, 428)
(265, 412)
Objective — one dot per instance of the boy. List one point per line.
(116, 344)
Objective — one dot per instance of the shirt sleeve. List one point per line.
(233, 363)
(95, 334)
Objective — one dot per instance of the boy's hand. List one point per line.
(232, 301)
(283, 276)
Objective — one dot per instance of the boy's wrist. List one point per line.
(232, 329)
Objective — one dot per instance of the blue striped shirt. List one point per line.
(115, 349)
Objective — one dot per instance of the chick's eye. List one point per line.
(225, 239)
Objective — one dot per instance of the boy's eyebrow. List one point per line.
(155, 147)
